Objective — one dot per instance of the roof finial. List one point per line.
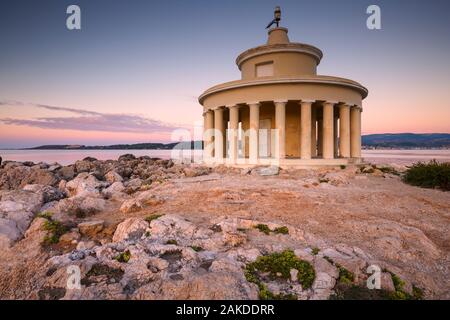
(277, 16)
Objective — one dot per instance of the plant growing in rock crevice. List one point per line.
(123, 257)
(278, 266)
(264, 228)
(400, 293)
(152, 217)
(55, 229)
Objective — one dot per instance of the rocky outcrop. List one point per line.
(173, 258)
(17, 209)
(15, 175)
(120, 230)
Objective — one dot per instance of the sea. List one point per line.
(65, 157)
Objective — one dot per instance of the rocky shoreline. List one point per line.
(146, 228)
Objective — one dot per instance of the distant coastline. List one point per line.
(372, 141)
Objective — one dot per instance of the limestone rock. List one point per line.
(386, 282)
(266, 171)
(67, 173)
(112, 177)
(131, 205)
(49, 193)
(115, 191)
(9, 233)
(84, 185)
(129, 229)
(91, 228)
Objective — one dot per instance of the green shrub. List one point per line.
(429, 175)
(264, 228)
(123, 257)
(55, 230)
(281, 230)
(279, 265)
(400, 293)
(196, 248)
(315, 251)
(152, 217)
(172, 241)
(46, 215)
(345, 276)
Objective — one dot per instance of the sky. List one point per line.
(134, 71)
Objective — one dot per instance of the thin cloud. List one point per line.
(89, 121)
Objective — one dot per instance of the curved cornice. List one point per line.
(285, 80)
(274, 48)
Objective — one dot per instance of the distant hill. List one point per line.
(407, 140)
(383, 140)
(136, 146)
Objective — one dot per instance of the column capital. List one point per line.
(344, 105)
(230, 106)
(307, 101)
(206, 111)
(329, 102)
(280, 101)
(217, 108)
(254, 103)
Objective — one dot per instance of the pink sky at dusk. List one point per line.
(135, 82)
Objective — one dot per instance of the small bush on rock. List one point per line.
(55, 229)
(152, 217)
(123, 257)
(429, 175)
(276, 266)
(264, 228)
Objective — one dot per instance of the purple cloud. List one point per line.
(90, 121)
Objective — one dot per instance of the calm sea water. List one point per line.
(65, 157)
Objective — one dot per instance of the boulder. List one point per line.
(133, 185)
(131, 205)
(130, 229)
(126, 157)
(67, 173)
(83, 185)
(83, 166)
(112, 177)
(49, 193)
(266, 171)
(69, 238)
(91, 228)
(114, 191)
(20, 200)
(9, 233)
(16, 175)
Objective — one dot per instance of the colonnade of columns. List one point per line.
(318, 135)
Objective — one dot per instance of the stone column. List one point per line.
(254, 132)
(219, 135)
(280, 124)
(335, 136)
(355, 132)
(208, 135)
(319, 138)
(305, 149)
(234, 126)
(344, 130)
(313, 132)
(328, 130)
